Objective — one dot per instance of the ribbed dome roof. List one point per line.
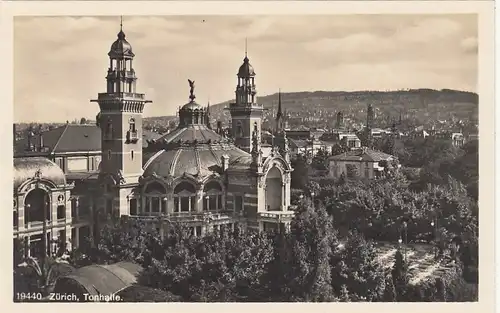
(26, 169)
(246, 70)
(194, 150)
(192, 105)
(121, 48)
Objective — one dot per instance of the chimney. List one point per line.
(225, 162)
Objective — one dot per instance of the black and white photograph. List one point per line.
(247, 158)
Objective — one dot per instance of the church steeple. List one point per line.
(279, 115)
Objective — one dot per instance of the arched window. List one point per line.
(131, 125)
(156, 199)
(35, 203)
(239, 129)
(184, 197)
(109, 130)
(212, 197)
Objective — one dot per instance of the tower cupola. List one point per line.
(192, 113)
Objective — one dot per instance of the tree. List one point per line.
(400, 276)
(308, 271)
(83, 121)
(354, 269)
(300, 174)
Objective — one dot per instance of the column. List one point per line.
(199, 200)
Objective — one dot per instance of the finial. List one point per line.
(191, 85)
(246, 47)
(121, 22)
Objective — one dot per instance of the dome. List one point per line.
(194, 150)
(121, 47)
(246, 70)
(27, 168)
(99, 279)
(192, 105)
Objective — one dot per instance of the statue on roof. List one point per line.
(191, 91)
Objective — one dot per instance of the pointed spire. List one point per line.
(279, 114)
(246, 48)
(121, 34)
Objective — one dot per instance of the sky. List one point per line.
(60, 63)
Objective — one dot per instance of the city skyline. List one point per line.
(291, 53)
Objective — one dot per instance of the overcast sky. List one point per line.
(60, 63)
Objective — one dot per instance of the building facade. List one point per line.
(363, 163)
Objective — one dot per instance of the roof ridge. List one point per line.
(171, 170)
(59, 140)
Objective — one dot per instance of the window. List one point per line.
(131, 125)
(184, 197)
(213, 196)
(16, 218)
(73, 208)
(238, 203)
(239, 130)
(367, 172)
(198, 230)
(109, 130)
(61, 212)
(109, 154)
(132, 154)
(155, 194)
(133, 206)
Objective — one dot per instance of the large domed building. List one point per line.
(195, 175)
(77, 175)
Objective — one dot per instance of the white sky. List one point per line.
(60, 63)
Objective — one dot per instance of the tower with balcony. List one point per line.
(120, 120)
(246, 113)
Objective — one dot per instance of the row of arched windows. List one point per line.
(184, 198)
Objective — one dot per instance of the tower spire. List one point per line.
(246, 47)
(279, 113)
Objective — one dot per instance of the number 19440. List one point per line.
(33, 296)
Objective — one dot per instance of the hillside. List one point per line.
(416, 104)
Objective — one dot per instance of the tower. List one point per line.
(120, 120)
(369, 117)
(245, 112)
(340, 120)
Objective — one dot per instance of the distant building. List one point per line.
(365, 163)
(457, 139)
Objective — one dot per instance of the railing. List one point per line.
(105, 95)
(276, 216)
(186, 216)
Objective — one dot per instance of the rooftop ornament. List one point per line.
(191, 91)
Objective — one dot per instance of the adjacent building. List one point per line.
(363, 163)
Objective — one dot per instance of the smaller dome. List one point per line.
(121, 47)
(191, 106)
(26, 168)
(246, 69)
